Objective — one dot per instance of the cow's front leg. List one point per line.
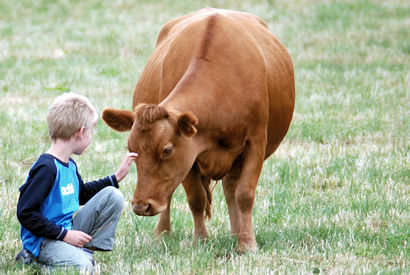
(199, 200)
(164, 221)
(229, 183)
(240, 193)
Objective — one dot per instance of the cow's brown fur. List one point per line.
(148, 114)
(215, 99)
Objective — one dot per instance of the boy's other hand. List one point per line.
(125, 166)
(77, 238)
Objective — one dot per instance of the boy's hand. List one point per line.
(125, 166)
(77, 238)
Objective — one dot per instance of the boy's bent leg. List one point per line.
(99, 218)
(59, 253)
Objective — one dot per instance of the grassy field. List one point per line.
(333, 199)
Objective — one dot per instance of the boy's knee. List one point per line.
(115, 195)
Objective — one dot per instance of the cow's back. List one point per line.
(180, 42)
(154, 83)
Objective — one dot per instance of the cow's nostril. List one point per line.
(142, 209)
(147, 209)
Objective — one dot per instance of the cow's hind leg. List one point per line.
(199, 199)
(164, 221)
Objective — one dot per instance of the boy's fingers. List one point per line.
(86, 236)
(85, 241)
(132, 155)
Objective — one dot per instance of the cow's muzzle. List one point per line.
(143, 209)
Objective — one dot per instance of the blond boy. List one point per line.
(54, 191)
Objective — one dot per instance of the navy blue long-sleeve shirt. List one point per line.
(36, 189)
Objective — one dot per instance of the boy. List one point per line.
(54, 191)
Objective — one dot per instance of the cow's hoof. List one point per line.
(243, 248)
(164, 232)
(201, 234)
(200, 238)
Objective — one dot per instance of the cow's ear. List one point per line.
(119, 120)
(186, 124)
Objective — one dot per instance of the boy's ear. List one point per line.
(80, 132)
(119, 120)
(186, 124)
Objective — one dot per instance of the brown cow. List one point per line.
(215, 99)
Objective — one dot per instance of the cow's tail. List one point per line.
(206, 183)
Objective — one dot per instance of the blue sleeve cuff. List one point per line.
(62, 234)
(114, 181)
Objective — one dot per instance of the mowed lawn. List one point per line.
(333, 199)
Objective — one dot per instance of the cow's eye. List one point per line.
(167, 151)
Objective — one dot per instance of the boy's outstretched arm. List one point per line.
(79, 238)
(125, 166)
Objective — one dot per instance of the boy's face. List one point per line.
(84, 140)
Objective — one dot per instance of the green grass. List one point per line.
(333, 199)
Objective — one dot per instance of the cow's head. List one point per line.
(163, 140)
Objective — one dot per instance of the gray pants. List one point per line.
(99, 218)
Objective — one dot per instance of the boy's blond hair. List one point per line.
(68, 113)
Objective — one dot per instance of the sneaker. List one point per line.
(25, 257)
